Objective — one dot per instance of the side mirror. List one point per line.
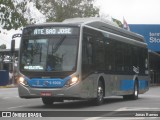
(12, 46)
(13, 42)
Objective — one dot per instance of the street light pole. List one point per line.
(13, 73)
(13, 58)
(13, 55)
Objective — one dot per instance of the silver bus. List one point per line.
(81, 58)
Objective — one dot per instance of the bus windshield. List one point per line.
(49, 53)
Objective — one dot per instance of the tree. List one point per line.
(3, 46)
(58, 10)
(10, 17)
(118, 22)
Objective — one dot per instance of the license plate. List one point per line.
(47, 94)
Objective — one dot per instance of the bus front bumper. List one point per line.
(65, 92)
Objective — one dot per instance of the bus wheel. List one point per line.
(47, 101)
(100, 94)
(134, 96)
(136, 91)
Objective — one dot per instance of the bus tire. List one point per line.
(47, 101)
(134, 96)
(100, 94)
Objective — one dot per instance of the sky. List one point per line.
(133, 11)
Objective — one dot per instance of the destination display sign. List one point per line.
(51, 31)
(46, 31)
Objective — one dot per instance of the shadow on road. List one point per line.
(76, 104)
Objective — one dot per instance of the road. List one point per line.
(150, 101)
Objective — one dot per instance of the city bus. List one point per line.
(81, 59)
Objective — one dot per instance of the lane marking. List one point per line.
(18, 106)
(10, 97)
(152, 96)
(103, 117)
(137, 109)
(116, 118)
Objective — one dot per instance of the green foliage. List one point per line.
(10, 17)
(58, 10)
(12, 11)
(118, 22)
(3, 46)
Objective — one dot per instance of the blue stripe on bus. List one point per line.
(143, 84)
(48, 82)
(129, 85)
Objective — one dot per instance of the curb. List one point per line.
(9, 86)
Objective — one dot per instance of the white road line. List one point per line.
(152, 96)
(10, 97)
(6, 97)
(103, 117)
(94, 118)
(117, 118)
(17, 107)
(137, 109)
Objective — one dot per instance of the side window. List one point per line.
(135, 56)
(119, 56)
(87, 48)
(128, 68)
(93, 51)
(87, 54)
(99, 51)
(109, 55)
(141, 61)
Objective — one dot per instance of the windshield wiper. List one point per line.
(58, 44)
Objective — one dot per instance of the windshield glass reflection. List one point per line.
(44, 53)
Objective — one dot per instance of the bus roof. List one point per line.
(99, 23)
(106, 25)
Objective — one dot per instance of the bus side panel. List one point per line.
(124, 84)
(143, 84)
(127, 85)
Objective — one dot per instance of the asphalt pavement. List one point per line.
(146, 104)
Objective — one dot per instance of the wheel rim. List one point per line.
(100, 93)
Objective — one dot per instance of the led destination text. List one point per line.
(52, 31)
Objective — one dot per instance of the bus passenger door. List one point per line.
(87, 65)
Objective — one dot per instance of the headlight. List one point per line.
(22, 81)
(72, 81)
